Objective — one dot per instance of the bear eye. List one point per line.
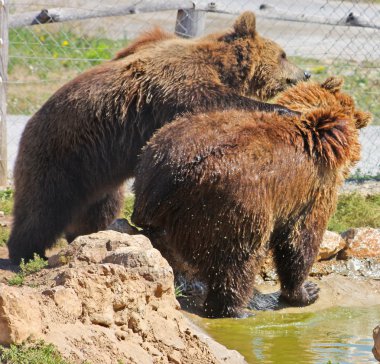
(283, 55)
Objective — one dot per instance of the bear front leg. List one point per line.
(231, 284)
(229, 291)
(294, 255)
(36, 227)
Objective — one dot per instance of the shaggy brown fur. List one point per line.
(146, 39)
(79, 148)
(238, 183)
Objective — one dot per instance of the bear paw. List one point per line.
(306, 295)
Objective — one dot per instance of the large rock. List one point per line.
(107, 297)
(361, 243)
(332, 244)
(20, 317)
(376, 346)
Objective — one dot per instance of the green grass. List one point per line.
(4, 235)
(16, 280)
(128, 207)
(178, 291)
(6, 201)
(35, 353)
(355, 210)
(33, 266)
(44, 51)
(6, 205)
(42, 60)
(361, 80)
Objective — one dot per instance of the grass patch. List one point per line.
(17, 280)
(44, 50)
(354, 211)
(178, 291)
(42, 60)
(128, 207)
(6, 201)
(4, 234)
(35, 353)
(33, 266)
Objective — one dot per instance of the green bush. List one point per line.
(33, 266)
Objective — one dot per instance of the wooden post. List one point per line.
(190, 23)
(3, 89)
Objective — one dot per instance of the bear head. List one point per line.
(329, 121)
(256, 65)
(307, 97)
(239, 59)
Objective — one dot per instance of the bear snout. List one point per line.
(293, 81)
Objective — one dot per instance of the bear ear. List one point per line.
(332, 84)
(362, 119)
(245, 25)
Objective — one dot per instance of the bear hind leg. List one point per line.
(96, 216)
(294, 255)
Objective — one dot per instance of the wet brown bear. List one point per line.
(79, 148)
(238, 183)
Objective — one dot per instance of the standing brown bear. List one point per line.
(224, 187)
(79, 148)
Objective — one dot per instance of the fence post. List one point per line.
(3, 89)
(190, 23)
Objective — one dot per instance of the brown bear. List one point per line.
(221, 188)
(79, 148)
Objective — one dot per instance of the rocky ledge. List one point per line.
(108, 297)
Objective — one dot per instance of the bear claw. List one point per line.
(312, 290)
(305, 296)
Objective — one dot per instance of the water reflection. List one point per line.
(341, 335)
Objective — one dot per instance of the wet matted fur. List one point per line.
(237, 183)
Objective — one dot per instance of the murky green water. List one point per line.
(341, 335)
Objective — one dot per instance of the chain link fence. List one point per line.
(324, 37)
